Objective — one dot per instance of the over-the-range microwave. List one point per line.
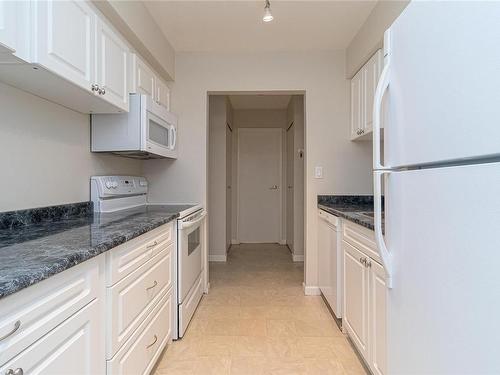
(147, 131)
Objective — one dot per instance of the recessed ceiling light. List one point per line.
(268, 17)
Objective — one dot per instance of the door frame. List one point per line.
(279, 131)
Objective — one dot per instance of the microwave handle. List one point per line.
(174, 137)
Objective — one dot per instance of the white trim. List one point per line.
(217, 258)
(282, 242)
(235, 242)
(311, 290)
(298, 257)
(238, 187)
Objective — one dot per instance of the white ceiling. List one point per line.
(230, 26)
(259, 101)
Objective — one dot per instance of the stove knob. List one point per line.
(109, 184)
(115, 184)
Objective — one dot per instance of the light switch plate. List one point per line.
(318, 172)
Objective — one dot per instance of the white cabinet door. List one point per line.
(356, 310)
(8, 25)
(143, 77)
(371, 74)
(378, 345)
(356, 104)
(162, 94)
(75, 347)
(112, 55)
(65, 40)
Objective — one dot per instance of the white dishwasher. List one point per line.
(330, 260)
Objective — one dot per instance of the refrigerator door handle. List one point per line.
(382, 86)
(385, 256)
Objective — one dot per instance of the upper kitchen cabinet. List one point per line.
(363, 86)
(162, 94)
(144, 80)
(14, 17)
(69, 55)
(65, 40)
(112, 56)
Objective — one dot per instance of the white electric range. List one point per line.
(114, 193)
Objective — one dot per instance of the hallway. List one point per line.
(256, 320)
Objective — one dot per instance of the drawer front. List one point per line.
(126, 258)
(332, 219)
(43, 306)
(189, 305)
(139, 354)
(71, 348)
(134, 297)
(361, 238)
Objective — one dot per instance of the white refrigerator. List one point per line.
(438, 99)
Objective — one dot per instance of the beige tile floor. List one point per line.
(256, 320)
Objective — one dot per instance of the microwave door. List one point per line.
(158, 135)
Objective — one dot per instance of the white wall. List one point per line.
(260, 118)
(370, 36)
(347, 166)
(45, 153)
(296, 114)
(219, 116)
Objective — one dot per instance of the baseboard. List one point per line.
(235, 242)
(283, 242)
(298, 257)
(217, 258)
(311, 290)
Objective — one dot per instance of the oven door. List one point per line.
(190, 251)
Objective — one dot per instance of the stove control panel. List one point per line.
(107, 186)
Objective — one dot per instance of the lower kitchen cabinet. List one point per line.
(377, 316)
(114, 313)
(365, 298)
(75, 347)
(356, 280)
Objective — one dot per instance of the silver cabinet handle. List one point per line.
(94, 87)
(18, 371)
(154, 342)
(152, 245)
(17, 325)
(152, 286)
(9, 372)
(102, 91)
(362, 260)
(368, 263)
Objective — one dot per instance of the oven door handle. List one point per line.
(190, 224)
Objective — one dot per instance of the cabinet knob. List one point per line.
(18, 371)
(102, 91)
(362, 260)
(94, 87)
(9, 372)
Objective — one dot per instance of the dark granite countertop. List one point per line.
(39, 243)
(355, 208)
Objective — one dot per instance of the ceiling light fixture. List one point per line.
(268, 17)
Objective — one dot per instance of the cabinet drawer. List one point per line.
(134, 297)
(362, 238)
(41, 307)
(126, 258)
(73, 348)
(139, 354)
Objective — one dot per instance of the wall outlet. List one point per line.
(318, 172)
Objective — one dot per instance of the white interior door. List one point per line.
(289, 182)
(259, 179)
